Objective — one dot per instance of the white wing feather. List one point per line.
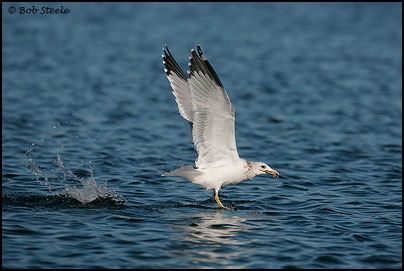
(203, 101)
(182, 96)
(213, 127)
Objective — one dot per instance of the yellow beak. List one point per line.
(273, 172)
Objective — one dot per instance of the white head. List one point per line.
(262, 168)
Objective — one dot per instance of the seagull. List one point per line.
(203, 101)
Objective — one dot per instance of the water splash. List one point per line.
(90, 191)
(61, 181)
(35, 169)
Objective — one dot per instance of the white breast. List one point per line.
(214, 178)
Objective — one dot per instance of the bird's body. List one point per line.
(216, 177)
(203, 101)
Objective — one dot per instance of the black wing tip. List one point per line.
(198, 47)
(171, 65)
(200, 63)
(167, 72)
(165, 56)
(169, 53)
(166, 51)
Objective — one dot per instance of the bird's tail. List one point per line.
(188, 172)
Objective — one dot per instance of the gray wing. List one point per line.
(203, 101)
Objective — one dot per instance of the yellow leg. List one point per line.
(218, 200)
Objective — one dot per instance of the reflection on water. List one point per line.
(211, 239)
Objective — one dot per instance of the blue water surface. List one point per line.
(317, 89)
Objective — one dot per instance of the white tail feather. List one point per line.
(188, 172)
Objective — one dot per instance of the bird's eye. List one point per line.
(262, 166)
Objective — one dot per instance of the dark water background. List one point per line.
(317, 90)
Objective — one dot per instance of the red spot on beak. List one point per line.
(272, 172)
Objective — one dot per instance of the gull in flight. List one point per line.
(203, 101)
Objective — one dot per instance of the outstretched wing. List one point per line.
(179, 84)
(203, 101)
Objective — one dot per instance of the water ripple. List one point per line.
(89, 125)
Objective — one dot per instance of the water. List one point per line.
(89, 125)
